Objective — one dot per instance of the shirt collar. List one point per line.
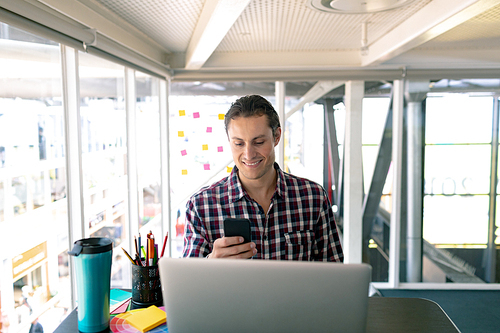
(236, 190)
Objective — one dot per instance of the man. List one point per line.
(36, 327)
(291, 217)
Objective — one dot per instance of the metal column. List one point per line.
(415, 94)
(331, 159)
(491, 252)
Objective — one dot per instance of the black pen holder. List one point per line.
(146, 287)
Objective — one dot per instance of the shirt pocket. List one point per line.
(298, 245)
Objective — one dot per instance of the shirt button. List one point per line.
(265, 237)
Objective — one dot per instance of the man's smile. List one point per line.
(252, 164)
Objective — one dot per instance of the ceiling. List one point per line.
(292, 40)
(292, 36)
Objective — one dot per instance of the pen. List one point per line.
(136, 248)
(147, 252)
(156, 255)
(139, 244)
(164, 245)
(143, 252)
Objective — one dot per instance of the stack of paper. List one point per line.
(119, 301)
(147, 319)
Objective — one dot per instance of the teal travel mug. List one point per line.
(93, 279)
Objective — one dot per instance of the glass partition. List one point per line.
(104, 156)
(33, 185)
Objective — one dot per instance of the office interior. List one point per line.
(110, 118)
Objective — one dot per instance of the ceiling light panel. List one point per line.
(290, 25)
(169, 22)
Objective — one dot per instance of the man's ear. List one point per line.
(277, 136)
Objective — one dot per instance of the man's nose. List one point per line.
(249, 151)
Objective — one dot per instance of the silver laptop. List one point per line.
(225, 295)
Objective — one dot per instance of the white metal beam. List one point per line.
(276, 59)
(432, 20)
(217, 17)
(166, 210)
(320, 89)
(132, 179)
(353, 179)
(280, 93)
(77, 228)
(397, 166)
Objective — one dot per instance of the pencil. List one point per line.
(151, 251)
(128, 256)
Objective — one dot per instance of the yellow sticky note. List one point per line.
(221, 116)
(147, 319)
(204, 147)
(180, 134)
(182, 113)
(229, 169)
(184, 172)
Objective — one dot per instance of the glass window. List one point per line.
(104, 147)
(2, 203)
(457, 169)
(20, 191)
(32, 168)
(456, 219)
(303, 140)
(373, 123)
(456, 192)
(57, 183)
(148, 153)
(449, 119)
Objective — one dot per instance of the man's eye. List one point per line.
(259, 143)
(238, 144)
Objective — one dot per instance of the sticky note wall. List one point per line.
(200, 146)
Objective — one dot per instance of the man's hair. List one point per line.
(251, 106)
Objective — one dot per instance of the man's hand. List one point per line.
(232, 248)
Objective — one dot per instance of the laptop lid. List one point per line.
(228, 295)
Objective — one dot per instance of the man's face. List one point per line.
(252, 145)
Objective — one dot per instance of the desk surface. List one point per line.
(385, 314)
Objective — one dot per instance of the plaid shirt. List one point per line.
(299, 225)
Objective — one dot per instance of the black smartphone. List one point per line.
(238, 227)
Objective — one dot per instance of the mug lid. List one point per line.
(91, 245)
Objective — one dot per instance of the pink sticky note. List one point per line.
(122, 308)
(206, 166)
(209, 129)
(196, 115)
(183, 152)
(220, 149)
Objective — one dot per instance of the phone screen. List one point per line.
(238, 227)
